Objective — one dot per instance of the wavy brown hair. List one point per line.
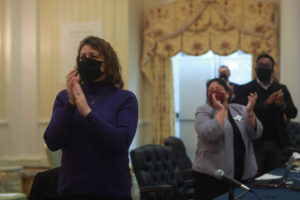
(111, 61)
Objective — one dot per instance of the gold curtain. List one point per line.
(48, 56)
(195, 27)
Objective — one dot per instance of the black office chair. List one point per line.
(180, 151)
(157, 172)
(294, 135)
(44, 185)
(293, 130)
(185, 164)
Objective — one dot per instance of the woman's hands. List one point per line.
(222, 111)
(76, 95)
(70, 82)
(217, 103)
(250, 106)
(251, 102)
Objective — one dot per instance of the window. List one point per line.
(190, 76)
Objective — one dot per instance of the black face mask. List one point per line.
(89, 69)
(223, 76)
(263, 74)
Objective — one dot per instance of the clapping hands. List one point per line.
(277, 98)
(76, 96)
(251, 102)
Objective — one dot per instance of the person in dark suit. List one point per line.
(224, 73)
(273, 103)
(225, 133)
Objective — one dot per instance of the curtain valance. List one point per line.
(197, 26)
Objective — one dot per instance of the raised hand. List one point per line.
(251, 102)
(250, 106)
(273, 97)
(80, 99)
(70, 79)
(216, 103)
(277, 98)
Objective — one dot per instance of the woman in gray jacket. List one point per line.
(225, 133)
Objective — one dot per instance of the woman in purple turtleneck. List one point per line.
(94, 122)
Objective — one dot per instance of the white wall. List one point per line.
(20, 139)
(290, 48)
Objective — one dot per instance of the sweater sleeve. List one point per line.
(117, 137)
(60, 126)
(206, 126)
(290, 109)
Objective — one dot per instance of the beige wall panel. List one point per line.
(121, 31)
(3, 95)
(48, 56)
(112, 13)
(290, 49)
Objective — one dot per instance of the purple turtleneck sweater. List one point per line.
(94, 148)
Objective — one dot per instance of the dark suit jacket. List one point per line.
(272, 116)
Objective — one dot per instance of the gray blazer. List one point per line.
(215, 144)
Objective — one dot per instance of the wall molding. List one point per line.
(3, 122)
(26, 161)
(145, 122)
(44, 121)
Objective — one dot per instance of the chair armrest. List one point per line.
(188, 178)
(187, 172)
(156, 188)
(188, 183)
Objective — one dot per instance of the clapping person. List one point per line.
(225, 133)
(273, 107)
(93, 123)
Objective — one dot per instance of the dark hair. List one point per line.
(111, 61)
(265, 56)
(221, 82)
(225, 66)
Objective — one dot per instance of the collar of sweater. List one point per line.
(96, 87)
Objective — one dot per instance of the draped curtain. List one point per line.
(195, 27)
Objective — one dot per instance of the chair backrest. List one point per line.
(294, 133)
(180, 151)
(44, 185)
(156, 165)
(185, 163)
